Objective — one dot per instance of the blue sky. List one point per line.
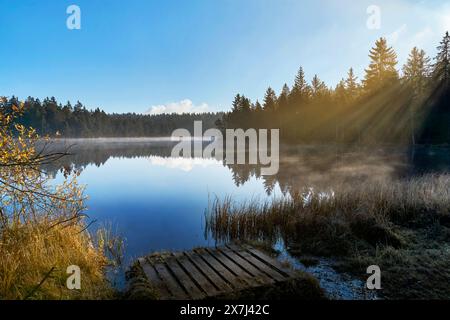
(196, 54)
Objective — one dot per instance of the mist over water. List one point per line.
(156, 202)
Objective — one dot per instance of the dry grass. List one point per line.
(28, 253)
(402, 226)
(331, 222)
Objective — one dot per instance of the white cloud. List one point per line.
(184, 106)
(184, 164)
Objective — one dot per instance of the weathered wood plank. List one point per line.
(210, 273)
(240, 273)
(177, 291)
(184, 279)
(246, 265)
(257, 263)
(270, 262)
(154, 279)
(234, 281)
(197, 275)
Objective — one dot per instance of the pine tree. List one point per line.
(270, 100)
(236, 103)
(441, 72)
(258, 107)
(300, 83)
(283, 98)
(382, 68)
(341, 93)
(351, 85)
(416, 71)
(319, 89)
(300, 91)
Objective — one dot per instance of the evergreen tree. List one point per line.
(341, 92)
(382, 68)
(258, 107)
(351, 85)
(441, 72)
(319, 89)
(236, 105)
(270, 100)
(300, 91)
(283, 99)
(416, 71)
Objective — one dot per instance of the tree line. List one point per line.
(49, 117)
(411, 105)
(387, 106)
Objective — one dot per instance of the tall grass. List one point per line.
(35, 257)
(332, 221)
(42, 228)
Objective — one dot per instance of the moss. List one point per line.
(139, 287)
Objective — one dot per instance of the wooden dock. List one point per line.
(207, 273)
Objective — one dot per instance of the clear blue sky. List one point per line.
(135, 54)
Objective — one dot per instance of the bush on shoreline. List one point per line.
(42, 228)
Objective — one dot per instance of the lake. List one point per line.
(156, 202)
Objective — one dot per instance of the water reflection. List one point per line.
(157, 202)
(300, 166)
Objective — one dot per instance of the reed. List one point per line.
(332, 222)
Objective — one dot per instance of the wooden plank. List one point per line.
(234, 281)
(274, 264)
(154, 279)
(243, 275)
(210, 273)
(197, 275)
(177, 291)
(258, 264)
(244, 264)
(184, 279)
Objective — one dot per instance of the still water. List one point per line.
(156, 202)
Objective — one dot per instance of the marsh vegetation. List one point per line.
(403, 226)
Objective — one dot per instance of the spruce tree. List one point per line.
(340, 92)
(416, 71)
(319, 89)
(236, 103)
(300, 91)
(351, 85)
(382, 68)
(441, 72)
(283, 98)
(258, 107)
(270, 100)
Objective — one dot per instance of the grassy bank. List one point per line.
(42, 227)
(402, 226)
(35, 258)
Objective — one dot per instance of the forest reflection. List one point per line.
(321, 167)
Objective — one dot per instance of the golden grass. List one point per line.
(331, 221)
(28, 253)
